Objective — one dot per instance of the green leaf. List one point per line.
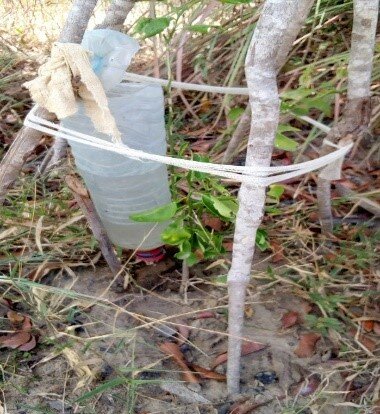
(107, 385)
(175, 235)
(199, 28)
(285, 143)
(286, 128)
(158, 214)
(222, 207)
(151, 27)
(276, 191)
(235, 113)
(262, 240)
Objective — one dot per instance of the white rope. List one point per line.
(133, 77)
(256, 175)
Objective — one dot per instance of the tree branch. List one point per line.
(27, 139)
(115, 16)
(357, 112)
(272, 40)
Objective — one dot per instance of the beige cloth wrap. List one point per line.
(66, 74)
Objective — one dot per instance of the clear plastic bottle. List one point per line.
(120, 186)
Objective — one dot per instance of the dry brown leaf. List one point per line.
(27, 324)
(205, 315)
(15, 340)
(228, 245)
(15, 318)
(290, 319)
(369, 343)
(248, 311)
(207, 373)
(368, 325)
(214, 223)
(278, 252)
(172, 349)
(248, 347)
(29, 345)
(376, 328)
(306, 345)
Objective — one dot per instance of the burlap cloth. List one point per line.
(66, 76)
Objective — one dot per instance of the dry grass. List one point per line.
(45, 244)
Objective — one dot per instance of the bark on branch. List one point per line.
(357, 112)
(27, 139)
(115, 16)
(272, 40)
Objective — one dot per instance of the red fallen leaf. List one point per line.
(376, 328)
(306, 345)
(205, 315)
(368, 325)
(214, 223)
(172, 349)
(207, 373)
(278, 252)
(29, 345)
(15, 340)
(290, 319)
(247, 348)
(306, 387)
(228, 245)
(27, 324)
(367, 342)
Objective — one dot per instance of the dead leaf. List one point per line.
(306, 345)
(306, 387)
(228, 245)
(290, 319)
(15, 318)
(207, 373)
(205, 315)
(76, 186)
(214, 223)
(369, 343)
(27, 324)
(278, 252)
(248, 311)
(376, 328)
(15, 340)
(172, 349)
(247, 348)
(29, 345)
(202, 146)
(368, 325)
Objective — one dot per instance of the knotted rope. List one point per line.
(54, 90)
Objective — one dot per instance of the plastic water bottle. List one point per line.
(121, 186)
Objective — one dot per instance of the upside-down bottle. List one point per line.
(121, 186)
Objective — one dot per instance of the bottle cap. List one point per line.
(151, 256)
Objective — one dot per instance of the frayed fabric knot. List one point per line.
(64, 78)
